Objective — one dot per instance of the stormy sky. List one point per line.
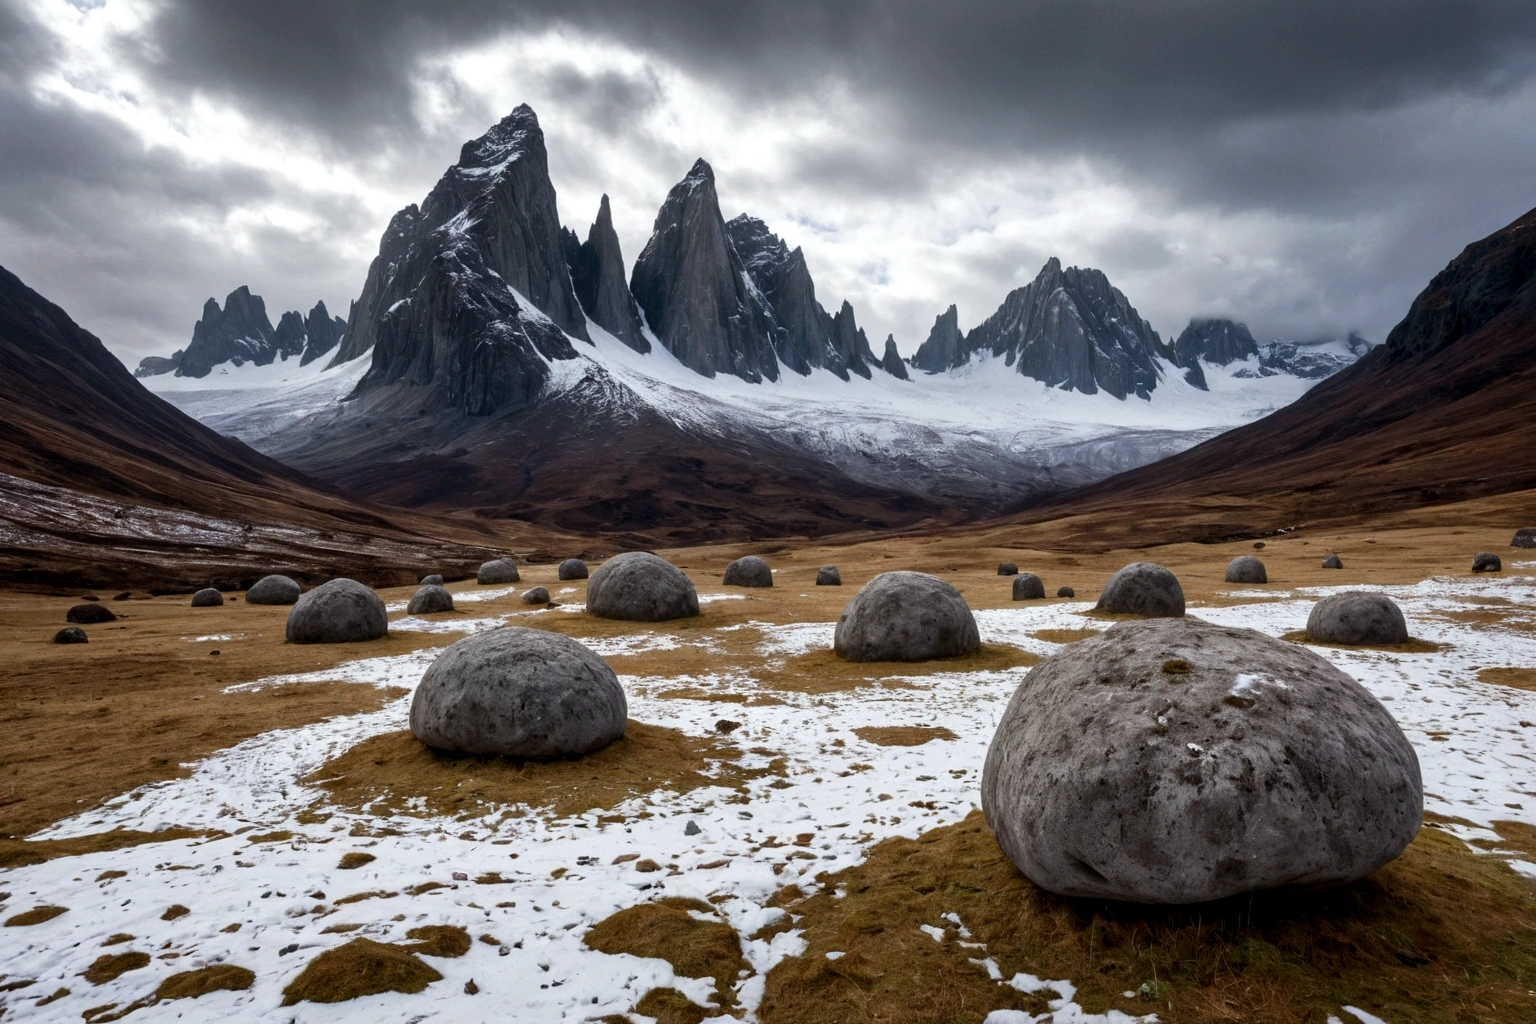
(1305, 166)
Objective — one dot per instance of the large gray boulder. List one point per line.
(88, 613)
(1028, 587)
(208, 597)
(748, 571)
(1487, 561)
(499, 570)
(1525, 538)
(1332, 561)
(519, 693)
(1007, 569)
(339, 611)
(1145, 589)
(429, 600)
(1065, 592)
(1177, 761)
(572, 569)
(640, 587)
(1246, 569)
(905, 616)
(1357, 617)
(71, 635)
(538, 595)
(434, 580)
(274, 590)
(828, 576)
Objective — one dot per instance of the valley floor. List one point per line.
(781, 836)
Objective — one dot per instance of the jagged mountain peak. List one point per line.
(597, 272)
(700, 173)
(505, 141)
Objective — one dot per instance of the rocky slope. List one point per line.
(597, 271)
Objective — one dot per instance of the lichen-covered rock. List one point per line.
(1357, 617)
(519, 693)
(499, 570)
(1007, 569)
(572, 569)
(89, 613)
(1065, 592)
(71, 635)
(828, 576)
(434, 580)
(274, 590)
(1176, 761)
(1487, 561)
(1332, 561)
(339, 611)
(429, 600)
(208, 597)
(1028, 587)
(538, 595)
(640, 587)
(748, 571)
(1145, 589)
(1246, 569)
(905, 616)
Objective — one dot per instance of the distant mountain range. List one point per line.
(240, 333)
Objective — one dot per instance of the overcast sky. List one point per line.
(1305, 165)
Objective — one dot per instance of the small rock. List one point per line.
(499, 570)
(1525, 538)
(460, 876)
(1258, 545)
(124, 596)
(1007, 569)
(430, 599)
(1145, 589)
(89, 614)
(748, 571)
(572, 569)
(337, 612)
(71, 635)
(538, 595)
(1332, 561)
(1246, 569)
(725, 726)
(692, 829)
(1487, 561)
(274, 590)
(1357, 617)
(208, 597)
(434, 580)
(214, 653)
(828, 576)
(647, 865)
(292, 947)
(470, 988)
(640, 587)
(905, 616)
(1065, 592)
(1028, 587)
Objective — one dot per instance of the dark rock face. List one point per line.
(597, 271)
(1218, 342)
(208, 597)
(339, 611)
(1332, 561)
(469, 294)
(694, 290)
(499, 570)
(434, 580)
(322, 333)
(891, 362)
(1487, 561)
(274, 590)
(1145, 589)
(572, 569)
(1072, 329)
(527, 694)
(1007, 569)
(1176, 761)
(905, 616)
(640, 587)
(1065, 592)
(850, 344)
(89, 614)
(749, 571)
(154, 366)
(1525, 538)
(1246, 569)
(944, 348)
(238, 333)
(1357, 618)
(538, 595)
(429, 600)
(71, 635)
(1028, 587)
(289, 337)
(828, 576)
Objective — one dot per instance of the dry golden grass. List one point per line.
(385, 772)
(200, 982)
(37, 915)
(15, 853)
(669, 1006)
(903, 735)
(444, 940)
(1439, 935)
(1299, 636)
(818, 672)
(1518, 678)
(109, 966)
(1065, 636)
(666, 930)
(361, 967)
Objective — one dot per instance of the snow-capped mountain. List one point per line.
(240, 333)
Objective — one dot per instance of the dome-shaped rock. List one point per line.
(208, 597)
(1525, 538)
(828, 576)
(339, 611)
(434, 580)
(500, 570)
(905, 616)
(1487, 561)
(520, 693)
(274, 590)
(640, 587)
(572, 569)
(1065, 592)
(1007, 569)
(1176, 761)
(71, 635)
(1357, 617)
(88, 614)
(1246, 569)
(748, 571)
(1145, 589)
(1332, 561)
(538, 595)
(429, 599)
(1027, 587)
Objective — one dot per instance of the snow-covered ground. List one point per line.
(1476, 743)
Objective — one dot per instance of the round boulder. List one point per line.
(434, 580)
(538, 595)
(429, 599)
(1145, 589)
(572, 569)
(208, 597)
(1177, 761)
(500, 570)
(1065, 592)
(748, 571)
(828, 576)
(1028, 587)
(1246, 569)
(1333, 561)
(1525, 538)
(339, 611)
(71, 635)
(1357, 618)
(88, 614)
(640, 587)
(274, 590)
(1007, 569)
(519, 693)
(905, 616)
(1487, 561)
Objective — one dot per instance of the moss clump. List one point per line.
(350, 861)
(362, 967)
(174, 911)
(37, 915)
(902, 735)
(109, 966)
(443, 940)
(217, 978)
(667, 931)
(669, 1006)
